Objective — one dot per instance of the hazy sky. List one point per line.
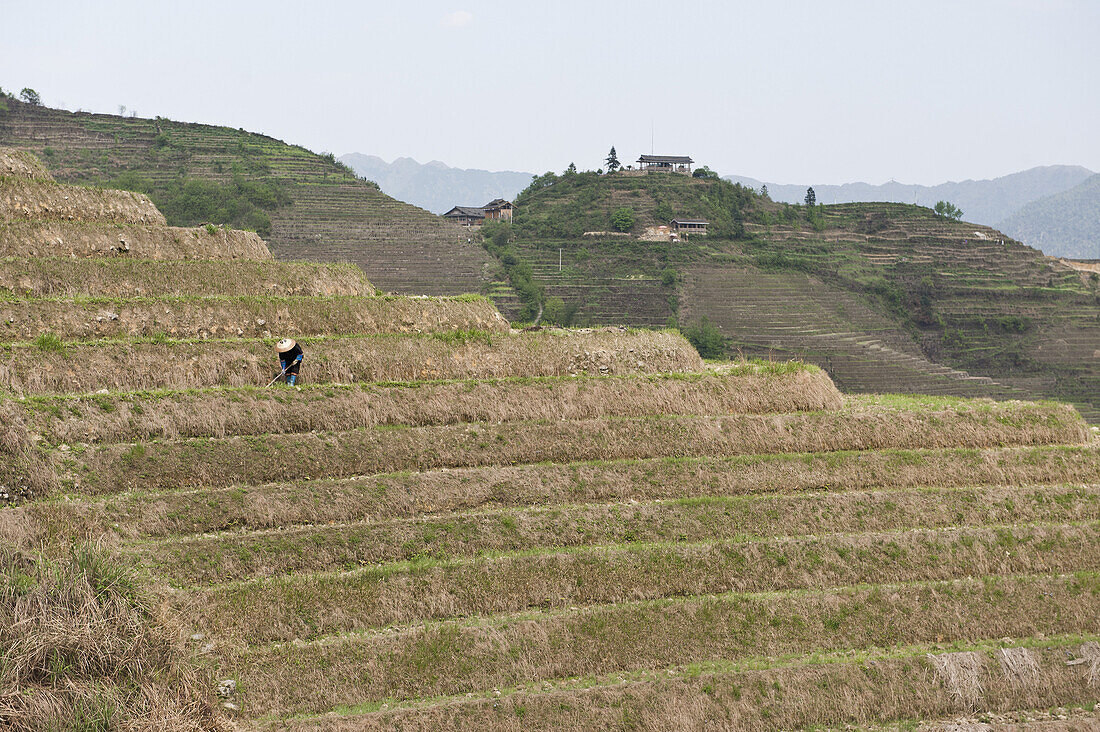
(818, 92)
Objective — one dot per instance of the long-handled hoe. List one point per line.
(277, 377)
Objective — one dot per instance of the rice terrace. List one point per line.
(635, 448)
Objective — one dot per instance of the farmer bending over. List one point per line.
(290, 356)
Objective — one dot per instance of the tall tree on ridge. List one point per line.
(612, 161)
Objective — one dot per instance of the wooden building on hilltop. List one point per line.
(665, 164)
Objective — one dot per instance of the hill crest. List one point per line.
(885, 296)
(985, 201)
(307, 206)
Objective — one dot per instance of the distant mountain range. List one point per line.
(435, 186)
(1055, 208)
(1065, 224)
(982, 201)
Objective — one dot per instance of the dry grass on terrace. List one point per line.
(24, 475)
(415, 494)
(452, 536)
(222, 412)
(454, 657)
(310, 606)
(84, 646)
(267, 458)
(826, 691)
(253, 317)
(145, 364)
(128, 278)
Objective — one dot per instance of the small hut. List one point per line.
(690, 226)
(665, 164)
(498, 210)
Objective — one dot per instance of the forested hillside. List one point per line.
(307, 206)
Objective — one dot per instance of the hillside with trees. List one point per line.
(307, 205)
(586, 201)
(885, 296)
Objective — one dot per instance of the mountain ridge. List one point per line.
(434, 185)
(437, 187)
(984, 201)
(1065, 224)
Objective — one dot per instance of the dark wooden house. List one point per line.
(496, 210)
(466, 215)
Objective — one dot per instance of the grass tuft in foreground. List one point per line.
(84, 646)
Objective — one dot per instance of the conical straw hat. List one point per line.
(285, 345)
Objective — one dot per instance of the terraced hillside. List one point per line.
(793, 314)
(971, 298)
(455, 525)
(886, 297)
(308, 206)
(937, 307)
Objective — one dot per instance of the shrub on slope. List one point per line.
(242, 203)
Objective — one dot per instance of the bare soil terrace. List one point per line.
(22, 164)
(27, 198)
